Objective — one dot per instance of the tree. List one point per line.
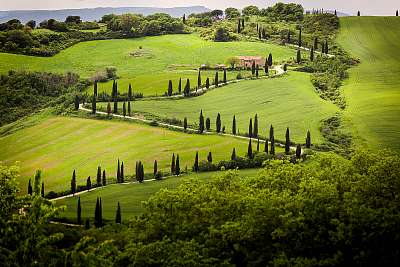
(358, 13)
(124, 109)
(397, 13)
(234, 125)
(31, 24)
(312, 54)
(139, 172)
(233, 156)
(308, 140)
(208, 124)
(270, 59)
(30, 188)
(216, 79)
(115, 107)
(285, 67)
(42, 191)
(201, 122)
(173, 164)
(298, 60)
(79, 212)
(209, 157)
(98, 219)
(129, 108)
(287, 143)
(186, 92)
(37, 183)
(122, 177)
(180, 86)
(88, 184)
(250, 150)
(253, 68)
(288, 38)
(272, 150)
(130, 92)
(221, 35)
(94, 104)
(98, 177)
(326, 47)
(196, 162)
(118, 214)
(155, 169)
(300, 41)
(87, 224)
(255, 128)
(239, 26)
(257, 68)
(298, 151)
(251, 128)
(104, 179)
(233, 62)
(95, 88)
(225, 79)
(266, 67)
(73, 183)
(316, 43)
(108, 109)
(218, 123)
(184, 19)
(208, 83)
(258, 144)
(199, 80)
(76, 102)
(185, 124)
(177, 166)
(335, 13)
(118, 172)
(170, 88)
(242, 23)
(251, 11)
(231, 13)
(266, 147)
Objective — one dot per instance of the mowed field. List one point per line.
(58, 145)
(288, 101)
(161, 58)
(373, 89)
(130, 196)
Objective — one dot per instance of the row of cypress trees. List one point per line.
(98, 214)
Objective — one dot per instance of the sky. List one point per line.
(367, 7)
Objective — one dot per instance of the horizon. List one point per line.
(388, 7)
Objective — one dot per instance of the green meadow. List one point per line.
(372, 90)
(130, 196)
(58, 145)
(288, 101)
(148, 69)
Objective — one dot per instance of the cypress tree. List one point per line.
(253, 68)
(316, 43)
(196, 162)
(173, 164)
(98, 177)
(257, 27)
(308, 140)
(255, 128)
(155, 170)
(129, 108)
(257, 71)
(259, 34)
(326, 47)
(242, 23)
(97, 214)
(199, 80)
(298, 57)
(118, 214)
(118, 172)
(208, 83)
(266, 69)
(287, 143)
(201, 122)
(185, 124)
(88, 184)
(208, 124)
(298, 151)
(95, 88)
(335, 13)
(270, 60)
(234, 125)
(108, 109)
(233, 156)
(104, 178)
(225, 79)
(397, 13)
(300, 41)
(239, 26)
(73, 183)
(288, 37)
(115, 107)
(251, 128)
(358, 13)
(180, 86)
(284, 67)
(122, 177)
(186, 92)
(218, 123)
(272, 150)
(30, 188)
(312, 54)
(76, 102)
(266, 147)
(271, 132)
(177, 166)
(209, 157)
(124, 109)
(170, 88)
(94, 104)
(130, 92)
(87, 224)
(250, 150)
(216, 82)
(184, 19)
(42, 191)
(101, 213)
(258, 144)
(141, 172)
(79, 212)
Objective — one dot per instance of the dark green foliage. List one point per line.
(250, 150)
(316, 43)
(234, 125)
(186, 91)
(239, 26)
(88, 184)
(76, 102)
(155, 168)
(250, 133)
(266, 147)
(87, 224)
(98, 177)
(124, 109)
(129, 108)
(185, 124)
(326, 50)
(73, 183)
(222, 35)
(308, 140)
(108, 109)
(94, 104)
(286, 12)
(358, 13)
(284, 67)
(199, 80)
(208, 124)
(312, 54)
(288, 38)
(130, 94)
(42, 190)
(270, 60)
(272, 150)
(196, 162)
(184, 19)
(258, 144)
(300, 39)
(30, 191)
(118, 214)
(173, 164)
(397, 13)
(216, 82)
(98, 214)
(104, 179)
(201, 122)
(118, 172)
(208, 83)
(298, 151)
(257, 71)
(177, 166)
(79, 212)
(225, 79)
(287, 142)
(298, 58)
(218, 123)
(122, 177)
(253, 68)
(170, 88)
(139, 172)
(180, 86)
(209, 157)
(115, 107)
(95, 88)
(255, 128)
(233, 156)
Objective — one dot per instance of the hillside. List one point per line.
(372, 90)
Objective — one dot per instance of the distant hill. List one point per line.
(90, 14)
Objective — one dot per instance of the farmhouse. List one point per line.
(247, 61)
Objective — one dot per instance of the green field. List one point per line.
(160, 59)
(373, 89)
(289, 101)
(58, 145)
(130, 196)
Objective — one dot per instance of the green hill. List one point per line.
(373, 88)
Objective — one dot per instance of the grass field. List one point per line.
(289, 101)
(130, 196)
(160, 59)
(373, 89)
(58, 145)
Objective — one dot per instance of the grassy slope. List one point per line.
(130, 196)
(372, 91)
(147, 75)
(288, 101)
(58, 145)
